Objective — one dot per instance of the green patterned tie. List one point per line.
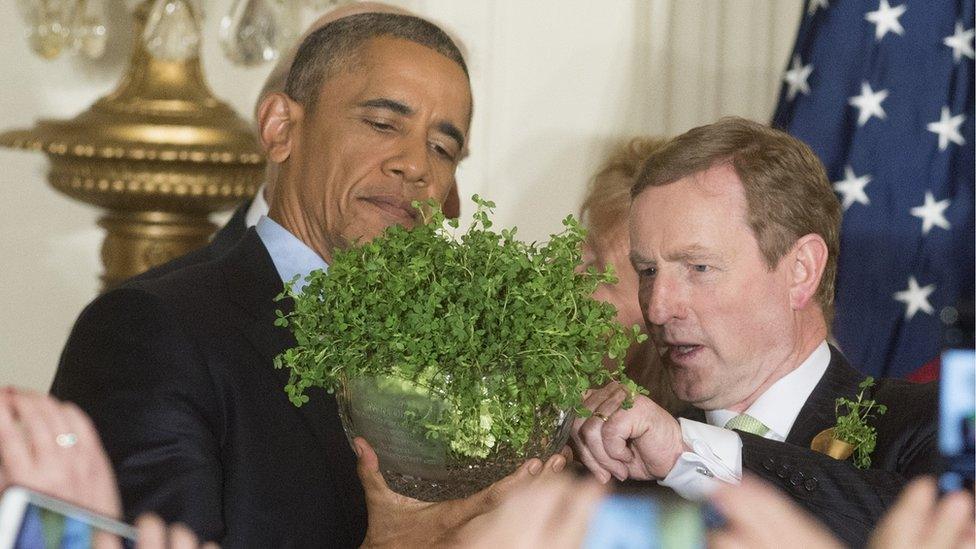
(747, 424)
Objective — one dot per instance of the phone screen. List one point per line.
(957, 409)
(31, 520)
(656, 518)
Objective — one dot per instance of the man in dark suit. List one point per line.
(734, 234)
(176, 370)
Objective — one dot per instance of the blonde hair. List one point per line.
(607, 201)
(604, 211)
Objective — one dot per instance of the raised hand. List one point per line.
(642, 442)
(52, 447)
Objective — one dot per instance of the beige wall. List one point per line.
(556, 83)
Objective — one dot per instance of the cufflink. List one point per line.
(704, 471)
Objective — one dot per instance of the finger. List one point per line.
(637, 468)
(567, 452)
(953, 515)
(612, 402)
(595, 399)
(568, 528)
(181, 537)
(750, 507)
(587, 459)
(368, 469)
(79, 423)
(33, 417)
(489, 498)
(593, 439)
(968, 538)
(15, 455)
(555, 463)
(906, 519)
(724, 539)
(613, 456)
(152, 532)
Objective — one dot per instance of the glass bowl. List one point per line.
(384, 410)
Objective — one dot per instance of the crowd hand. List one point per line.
(551, 510)
(921, 520)
(154, 534)
(758, 516)
(643, 442)
(52, 447)
(398, 521)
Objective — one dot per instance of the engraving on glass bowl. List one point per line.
(384, 411)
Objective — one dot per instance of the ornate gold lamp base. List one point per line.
(139, 241)
(160, 153)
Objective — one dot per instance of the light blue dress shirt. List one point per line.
(290, 255)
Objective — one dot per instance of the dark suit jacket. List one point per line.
(849, 500)
(223, 240)
(176, 372)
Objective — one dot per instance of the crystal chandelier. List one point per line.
(160, 152)
(251, 33)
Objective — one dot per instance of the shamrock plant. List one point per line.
(853, 428)
(494, 328)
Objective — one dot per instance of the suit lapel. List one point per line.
(818, 412)
(232, 231)
(252, 283)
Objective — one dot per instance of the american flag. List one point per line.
(882, 90)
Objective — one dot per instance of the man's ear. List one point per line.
(808, 258)
(279, 118)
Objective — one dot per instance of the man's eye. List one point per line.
(442, 151)
(701, 268)
(380, 125)
(647, 271)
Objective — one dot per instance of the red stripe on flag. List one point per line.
(928, 372)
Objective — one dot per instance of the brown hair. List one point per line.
(607, 201)
(787, 191)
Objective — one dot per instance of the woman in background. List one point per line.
(604, 212)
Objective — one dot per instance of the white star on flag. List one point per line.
(852, 187)
(932, 213)
(885, 19)
(915, 298)
(959, 42)
(796, 78)
(814, 4)
(947, 128)
(869, 103)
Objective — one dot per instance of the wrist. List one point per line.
(674, 447)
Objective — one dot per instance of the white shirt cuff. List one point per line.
(715, 457)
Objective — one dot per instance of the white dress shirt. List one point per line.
(258, 207)
(716, 452)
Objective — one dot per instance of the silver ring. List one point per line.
(66, 440)
(601, 416)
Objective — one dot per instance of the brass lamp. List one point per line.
(159, 154)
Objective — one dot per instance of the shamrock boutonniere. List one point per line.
(852, 435)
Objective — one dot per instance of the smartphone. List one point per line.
(650, 518)
(31, 520)
(957, 411)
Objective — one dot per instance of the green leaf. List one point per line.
(497, 328)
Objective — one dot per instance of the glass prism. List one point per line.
(172, 30)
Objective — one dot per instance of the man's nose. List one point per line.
(663, 300)
(410, 162)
